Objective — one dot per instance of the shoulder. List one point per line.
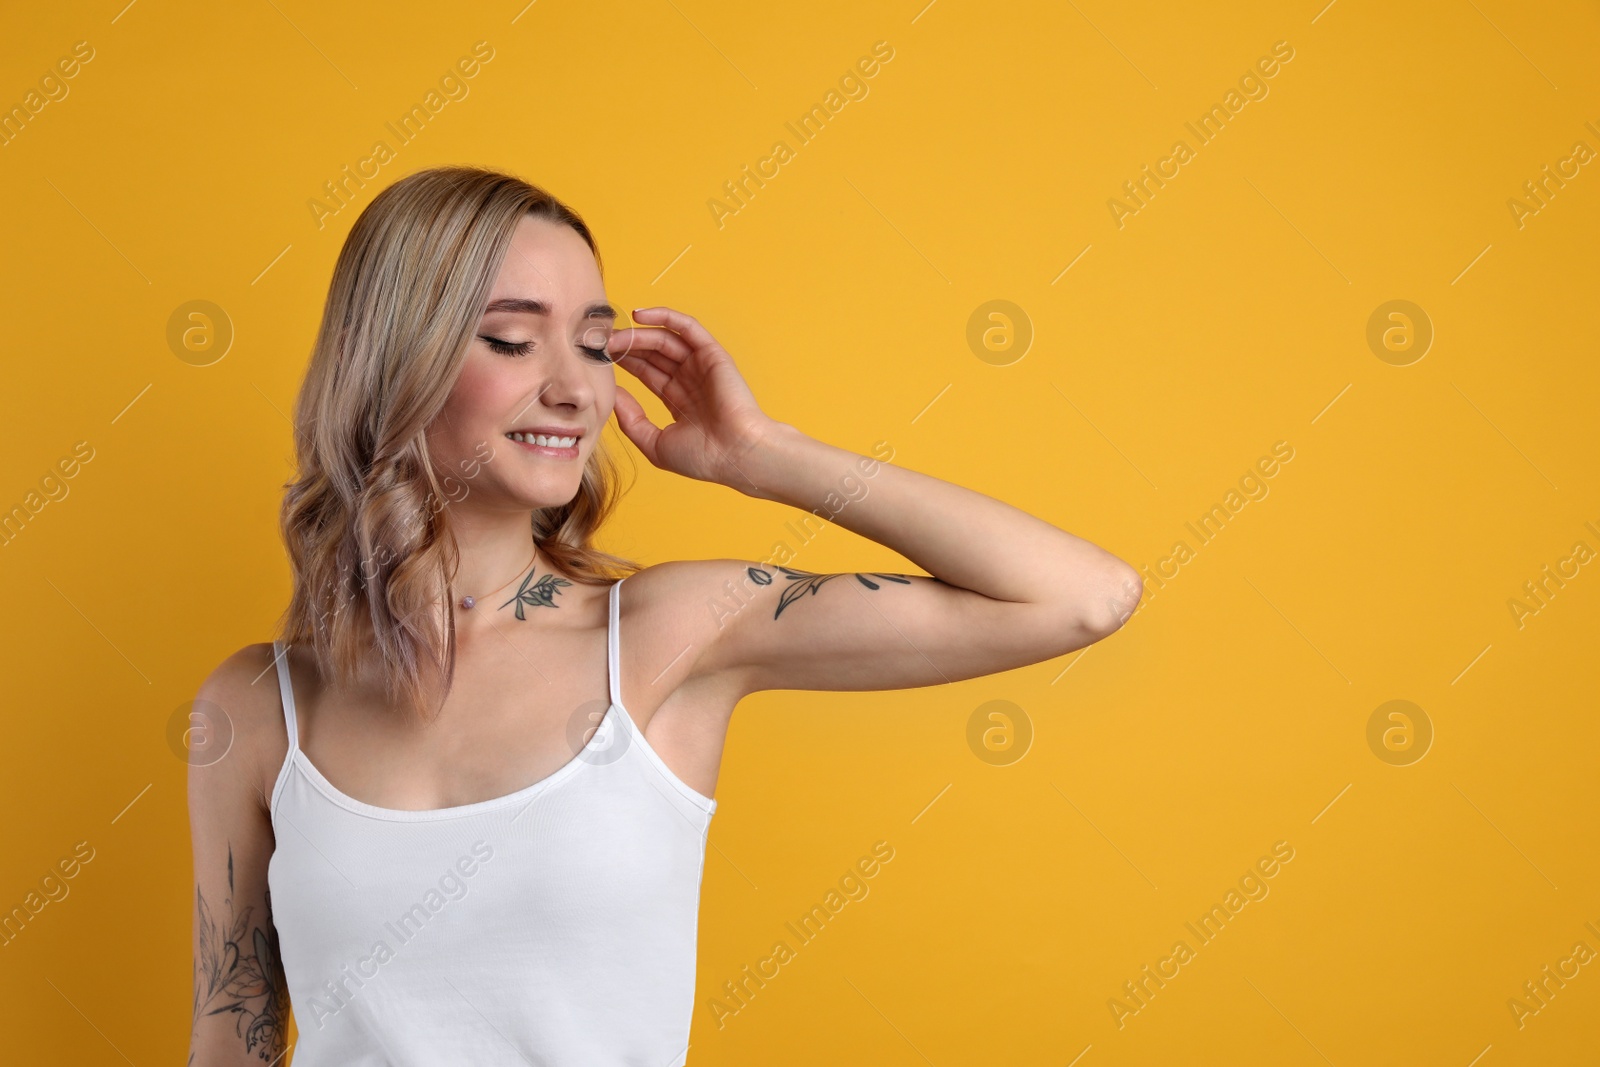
(237, 724)
(677, 579)
(694, 595)
(687, 605)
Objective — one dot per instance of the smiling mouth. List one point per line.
(544, 440)
(555, 446)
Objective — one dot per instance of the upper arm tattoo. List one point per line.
(803, 582)
(238, 970)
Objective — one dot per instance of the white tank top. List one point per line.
(553, 925)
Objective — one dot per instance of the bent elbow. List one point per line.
(1116, 604)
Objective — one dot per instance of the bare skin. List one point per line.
(1003, 589)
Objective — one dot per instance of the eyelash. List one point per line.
(506, 348)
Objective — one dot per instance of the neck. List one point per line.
(499, 558)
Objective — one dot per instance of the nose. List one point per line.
(567, 382)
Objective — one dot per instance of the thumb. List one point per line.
(636, 425)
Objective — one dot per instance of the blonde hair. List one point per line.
(366, 521)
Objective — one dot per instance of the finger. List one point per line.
(687, 326)
(656, 378)
(664, 384)
(664, 341)
(636, 425)
(636, 360)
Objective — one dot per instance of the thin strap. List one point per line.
(613, 660)
(280, 653)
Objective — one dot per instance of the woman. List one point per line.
(468, 823)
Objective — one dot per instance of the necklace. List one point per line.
(468, 601)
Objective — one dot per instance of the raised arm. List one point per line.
(241, 1002)
(1004, 589)
(1007, 589)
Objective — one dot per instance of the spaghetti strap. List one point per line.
(613, 659)
(280, 655)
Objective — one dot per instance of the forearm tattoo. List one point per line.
(803, 582)
(238, 972)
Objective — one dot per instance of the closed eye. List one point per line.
(522, 348)
(506, 348)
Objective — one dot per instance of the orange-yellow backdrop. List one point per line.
(1175, 342)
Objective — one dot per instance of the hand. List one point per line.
(717, 419)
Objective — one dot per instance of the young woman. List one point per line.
(462, 813)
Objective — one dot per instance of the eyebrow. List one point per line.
(523, 305)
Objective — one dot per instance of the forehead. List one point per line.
(550, 262)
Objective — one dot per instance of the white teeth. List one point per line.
(544, 441)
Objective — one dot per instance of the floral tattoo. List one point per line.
(803, 582)
(542, 594)
(240, 972)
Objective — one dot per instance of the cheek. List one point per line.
(605, 388)
(475, 398)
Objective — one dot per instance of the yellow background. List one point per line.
(1230, 313)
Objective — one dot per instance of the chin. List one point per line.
(548, 495)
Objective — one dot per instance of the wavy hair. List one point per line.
(366, 521)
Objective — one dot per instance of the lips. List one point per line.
(548, 431)
(555, 446)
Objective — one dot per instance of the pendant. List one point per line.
(467, 602)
